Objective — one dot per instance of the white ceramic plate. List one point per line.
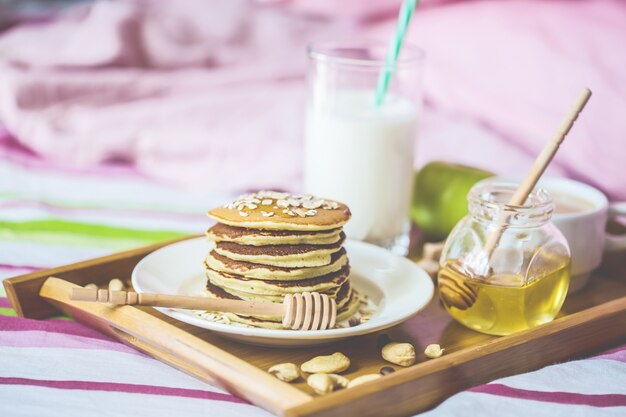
(397, 286)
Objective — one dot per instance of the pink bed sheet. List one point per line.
(212, 93)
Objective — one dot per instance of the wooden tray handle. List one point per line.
(177, 347)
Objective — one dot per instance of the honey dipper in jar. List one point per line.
(528, 272)
(505, 266)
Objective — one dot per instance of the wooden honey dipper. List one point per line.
(302, 311)
(461, 294)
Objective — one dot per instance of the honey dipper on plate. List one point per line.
(302, 311)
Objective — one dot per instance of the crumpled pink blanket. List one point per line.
(212, 93)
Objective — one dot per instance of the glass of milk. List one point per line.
(359, 153)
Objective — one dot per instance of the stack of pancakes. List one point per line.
(270, 244)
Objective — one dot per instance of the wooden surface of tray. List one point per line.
(591, 320)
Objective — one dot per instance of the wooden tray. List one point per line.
(590, 321)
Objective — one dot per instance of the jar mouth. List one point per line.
(361, 53)
(488, 199)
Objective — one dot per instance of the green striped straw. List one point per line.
(406, 11)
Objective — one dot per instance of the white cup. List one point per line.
(584, 229)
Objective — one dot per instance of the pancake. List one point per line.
(282, 211)
(268, 287)
(222, 263)
(342, 314)
(289, 256)
(259, 237)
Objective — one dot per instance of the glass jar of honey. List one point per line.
(504, 268)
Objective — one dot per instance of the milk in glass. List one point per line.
(362, 155)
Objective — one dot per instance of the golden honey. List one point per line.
(504, 304)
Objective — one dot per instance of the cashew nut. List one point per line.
(432, 251)
(325, 383)
(337, 362)
(402, 354)
(285, 372)
(433, 351)
(362, 379)
(431, 267)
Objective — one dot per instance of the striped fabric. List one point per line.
(59, 368)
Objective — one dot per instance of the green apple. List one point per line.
(440, 196)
